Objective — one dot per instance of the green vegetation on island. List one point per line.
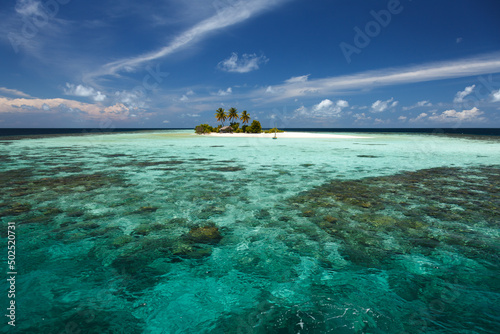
(273, 130)
(234, 126)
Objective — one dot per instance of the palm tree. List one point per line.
(220, 115)
(232, 114)
(245, 117)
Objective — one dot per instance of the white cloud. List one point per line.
(226, 92)
(184, 98)
(84, 91)
(342, 104)
(402, 118)
(245, 64)
(323, 105)
(329, 108)
(380, 106)
(459, 97)
(325, 109)
(495, 96)
(99, 97)
(227, 14)
(166, 121)
(79, 90)
(472, 115)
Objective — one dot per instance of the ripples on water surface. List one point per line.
(168, 232)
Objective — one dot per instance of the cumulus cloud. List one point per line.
(329, 108)
(495, 96)
(84, 91)
(326, 108)
(402, 118)
(460, 96)
(245, 64)
(342, 104)
(380, 106)
(226, 92)
(323, 105)
(472, 115)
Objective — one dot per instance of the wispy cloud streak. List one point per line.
(14, 92)
(232, 13)
(388, 77)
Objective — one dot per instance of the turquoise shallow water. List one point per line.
(169, 232)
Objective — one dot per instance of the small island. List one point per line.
(234, 127)
(255, 128)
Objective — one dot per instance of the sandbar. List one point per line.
(287, 135)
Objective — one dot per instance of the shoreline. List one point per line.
(287, 135)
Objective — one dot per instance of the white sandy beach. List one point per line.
(286, 135)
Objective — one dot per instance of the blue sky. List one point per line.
(293, 63)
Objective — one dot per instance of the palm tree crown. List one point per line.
(220, 115)
(245, 117)
(232, 114)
